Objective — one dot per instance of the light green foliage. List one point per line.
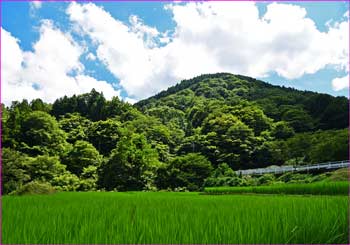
(254, 117)
(169, 115)
(66, 182)
(40, 134)
(89, 178)
(75, 126)
(34, 187)
(174, 218)
(44, 168)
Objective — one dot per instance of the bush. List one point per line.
(266, 179)
(340, 175)
(34, 187)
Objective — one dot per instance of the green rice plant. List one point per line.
(317, 188)
(180, 218)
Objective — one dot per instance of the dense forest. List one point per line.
(201, 129)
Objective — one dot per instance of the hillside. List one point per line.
(203, 127)
(279, 103)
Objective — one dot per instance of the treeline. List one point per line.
(174, 140)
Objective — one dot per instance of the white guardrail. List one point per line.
(290, 168)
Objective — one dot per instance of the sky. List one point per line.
(134, 50)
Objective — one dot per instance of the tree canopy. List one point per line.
(197, 130)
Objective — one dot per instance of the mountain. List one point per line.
(322, 111)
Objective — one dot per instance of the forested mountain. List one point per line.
(312, 110)
(201, 127)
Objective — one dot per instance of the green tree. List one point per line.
(75, 126)
(40, 134)
(89, 178)
(281, 130)
(12, 125)
(104, 135)
(299, 119)
(188, 171)
(82, 155)
(44, 168)
(39, 105)
(14, 174)
(131, 165)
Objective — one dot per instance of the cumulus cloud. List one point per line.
(340, 83)
(51, 71)
(211, 37)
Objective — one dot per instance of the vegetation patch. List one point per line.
(173, 218)
(317, 188)
(34, 187)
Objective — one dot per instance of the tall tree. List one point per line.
(131, 165)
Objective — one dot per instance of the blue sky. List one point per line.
(136, 49)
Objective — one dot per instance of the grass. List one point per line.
(317, 188)
(139, 217)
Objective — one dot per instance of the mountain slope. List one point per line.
(313, 110)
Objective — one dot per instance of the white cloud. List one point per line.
(35, 4)
(90, 56)
(130, 100)
(51, 71)
(211, 37)
(340, 83)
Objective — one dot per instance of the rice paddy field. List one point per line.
(165, 217)
(317, 188)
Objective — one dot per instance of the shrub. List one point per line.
(340, 175)
(34, 187)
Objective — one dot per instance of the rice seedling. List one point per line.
(317, 188)
(140, 217)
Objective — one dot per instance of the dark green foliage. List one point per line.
(39, 105)
(89, 105)
(321, 146)
(82, 155)
(281, 130)
(188, 171)
(14, 174)
(130, 166)
(299, 119)
(104, 135)
(93, 106)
